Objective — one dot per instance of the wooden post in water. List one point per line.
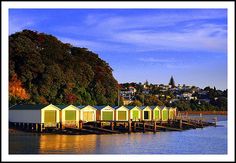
(36, 127)
(41, 127)
(134, 126)
(215, 119)
(180, 123)
(80, 124)
(155, 126)
(27, 126)
(129, 126)
(143, 126)
(112, 125)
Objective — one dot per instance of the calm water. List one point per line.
(209, 140)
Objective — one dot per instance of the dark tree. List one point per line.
(49, 71)
(172, 82)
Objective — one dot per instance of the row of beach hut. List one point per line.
(52, 115)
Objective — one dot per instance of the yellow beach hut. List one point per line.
(172, 113)
(87, 113)
(122, 113)
(70, 116)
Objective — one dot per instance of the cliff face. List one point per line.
(43, 70)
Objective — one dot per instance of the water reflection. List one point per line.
(50, 144)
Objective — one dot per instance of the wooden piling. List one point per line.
(36, 127)
(155, 127)
(134, 123)
(129, 126)
(143, 126)
(112, 125)
(41, 127)
(215, 121)
(80, 124)
(180, 123)
(27, 126)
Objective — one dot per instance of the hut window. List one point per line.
(146, 115)
(121, 115)
(107, 115)
(70, 115)
(135, 114)
(49, 116)
(156, 112)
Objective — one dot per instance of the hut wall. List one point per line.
(25, 116)
(98, 115)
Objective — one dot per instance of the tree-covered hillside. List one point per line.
(43, 70)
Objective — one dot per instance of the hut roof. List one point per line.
(100, 107)
(28, 107)
(153, 107)
(162, 107)
(130, 107)
(81, 106)
(143, 107)
(61, 106)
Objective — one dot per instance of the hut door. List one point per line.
(171, 114)
(157, 115)
(135, 115)
(107, 115)
(165, 115)
(70, 115)
(88, 116)
(121, 115)
(50, 116)
(146, 115)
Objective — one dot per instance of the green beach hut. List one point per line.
(107, 112)
(164, 113)
(70, 116)
(135, 113)
(156, 113)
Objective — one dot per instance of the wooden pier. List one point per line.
(117, 127)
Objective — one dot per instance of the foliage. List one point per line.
(54, 72)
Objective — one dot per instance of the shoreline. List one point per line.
(204, 112)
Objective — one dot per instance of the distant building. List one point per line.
(127, 101)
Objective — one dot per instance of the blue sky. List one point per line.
(142, 44)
